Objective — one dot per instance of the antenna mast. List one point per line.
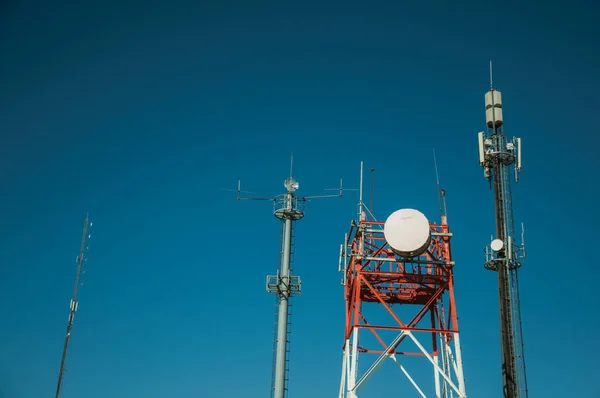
(497, 154)
(74, 303)
(288, 208)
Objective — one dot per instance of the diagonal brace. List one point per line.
(378, 362)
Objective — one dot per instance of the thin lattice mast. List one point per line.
(403, 266)
(289, 208)
(497, 153)
(74, 303)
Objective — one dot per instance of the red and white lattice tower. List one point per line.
(404, 267)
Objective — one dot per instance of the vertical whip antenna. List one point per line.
(74, 303)
(439, 188)
(491, 80)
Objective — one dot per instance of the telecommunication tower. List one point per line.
(496, 154)
(288, 208)
(404, 266)
(74, 303)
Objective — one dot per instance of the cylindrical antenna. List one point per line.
(291, 163)
(491, 82)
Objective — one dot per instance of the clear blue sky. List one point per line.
(141, 113)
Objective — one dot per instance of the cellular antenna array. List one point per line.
(497, 153)
(74, 303)
(288, 208)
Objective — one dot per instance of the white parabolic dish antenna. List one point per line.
(407, 232)
(497, 245)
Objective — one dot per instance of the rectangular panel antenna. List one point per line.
(481, 149)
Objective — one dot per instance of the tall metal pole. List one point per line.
(496, 154)
(288, 209)
(73, 305)
(284, 294)
(509, 375)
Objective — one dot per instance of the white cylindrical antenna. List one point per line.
(360, 193)
(491, 82)
(493, 108)
(341, 257)
(518, 153)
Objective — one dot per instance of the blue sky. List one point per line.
(142, 112)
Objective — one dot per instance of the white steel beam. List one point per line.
(344, 365)
(444, 375)
(459, 366)
(354, 360)
(407, 375)
(349, 385)
(378, 362)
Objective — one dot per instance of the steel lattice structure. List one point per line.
(374, 275)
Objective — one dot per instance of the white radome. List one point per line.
(407, 232)
(497, 245)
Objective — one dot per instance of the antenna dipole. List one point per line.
(288, 208)
(74, 303)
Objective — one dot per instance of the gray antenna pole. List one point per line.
(288, 209)
(491, 81)
(74, 304)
